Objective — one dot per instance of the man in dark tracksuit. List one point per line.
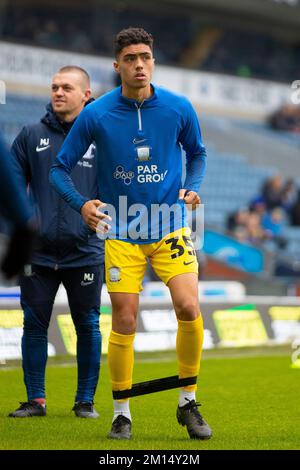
(67, 251)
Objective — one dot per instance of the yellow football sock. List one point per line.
(120, 360)
(189, 348)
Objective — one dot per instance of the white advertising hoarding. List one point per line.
(21, 65)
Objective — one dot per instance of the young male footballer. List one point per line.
(139, 129)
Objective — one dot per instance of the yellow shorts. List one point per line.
(125, 263)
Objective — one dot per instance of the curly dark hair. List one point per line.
(129, 36)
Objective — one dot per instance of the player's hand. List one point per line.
(93, 217)
(19, 250)
(190, 197)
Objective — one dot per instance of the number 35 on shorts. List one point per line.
(180, 246)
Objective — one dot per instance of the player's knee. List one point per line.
(187, 309)
(124, 320)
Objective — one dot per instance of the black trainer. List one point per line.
(189, 416)
(28, 409)
(121, 428)
(84, 409)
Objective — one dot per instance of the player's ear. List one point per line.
(116, 67)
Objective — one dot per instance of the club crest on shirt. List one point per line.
(143, 154)
(114, 274)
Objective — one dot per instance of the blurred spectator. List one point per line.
(49, 35)
(245, 226)
(241, 234)
(258, 205)
(272, 224)
(259, 226)
(237, 220)
(288, 195)
(287, 118)
(272, 192)
(77, 39)
(256, 234)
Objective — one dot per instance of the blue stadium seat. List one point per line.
(18, 111)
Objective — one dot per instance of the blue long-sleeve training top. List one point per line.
(139, 159)
(13, 199)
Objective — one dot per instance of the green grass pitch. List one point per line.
(250, 402)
